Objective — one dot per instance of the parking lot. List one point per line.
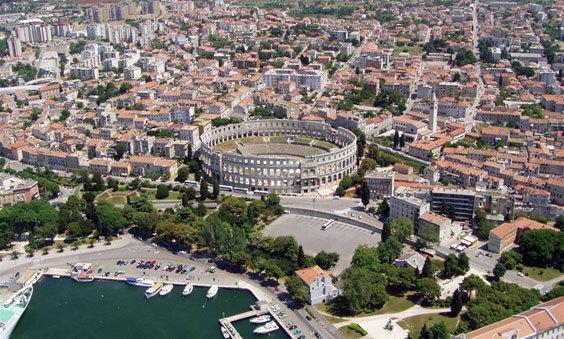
(340, 238)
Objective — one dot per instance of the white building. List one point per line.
(314, 79)
(320, 285)
(14, 46)
(132, 73)
(408, 207)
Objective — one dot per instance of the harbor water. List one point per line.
(65, 309)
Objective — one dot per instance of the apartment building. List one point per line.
(314, 79)
(459, 204)
(380, 184)
(153, 166)
(408, 207)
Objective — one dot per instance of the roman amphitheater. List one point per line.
(281, 156)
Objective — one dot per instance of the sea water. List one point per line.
(65, 309)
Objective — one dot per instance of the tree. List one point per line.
(120, 151)
(366, 257)
(215, 190)
(360, 143)
(97, 183)
(396, 139)
(402, 141)
(271, 269)
(456, 303)
(499, 270)
(439, 331)
(190, 193)
(364, 193)
(204, 192)
(383, 208)
(201, 209)
(301, 257)
(109, 219)
(185, 200)
(390, 249)
(325, 260)
(428, 289)
(364, 290)
(162, 192)
(183, 173)
(463, 264)
(401, 228)
(541, 248)
(450, 266)
(559, 222)
(172, 231)
(65, 114)
(464, 57)
(298, 291)
(113, 184)
(429, 270)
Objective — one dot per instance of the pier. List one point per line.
(226, 322)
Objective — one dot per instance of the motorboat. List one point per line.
(212, 292)
(188, 289)
(166, 289)
(270, 326)
(225, 333)
(12, 310)
(153, 290)
(260, 319)
(56, 276)
(82, 277)
(139, 282)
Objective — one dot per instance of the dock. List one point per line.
(226, 322)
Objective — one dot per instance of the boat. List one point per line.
(82, 277)
(56, 276)
(212, 292)
(188, 289)
(153, 290)
(270, 326)
(139, 282)
(225, 333)
(12, 310)
(166, 289)
(260, 319)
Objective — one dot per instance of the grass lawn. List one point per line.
(119, 197)
(391, 157)
(415, 324)
(413, 50)
(394, 305)
(347, 333)
(331, 318)
(151, 193)
(541, 274)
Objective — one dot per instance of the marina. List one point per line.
(58, 300)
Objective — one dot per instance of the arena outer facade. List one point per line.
(279, 173)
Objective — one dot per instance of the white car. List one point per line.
(520, 274)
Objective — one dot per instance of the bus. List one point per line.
(241, 190)
(191, 183)
(225, 188)
(260, 193)
(327, 224)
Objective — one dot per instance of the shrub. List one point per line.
(356, 327)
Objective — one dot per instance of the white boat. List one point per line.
(56, 276)
(12, 310)
(166, 289)
(212, 292)
(139, 282)
(153, 290)
(225, 333)
(270, 326)
(188, 289)
(260, 319)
